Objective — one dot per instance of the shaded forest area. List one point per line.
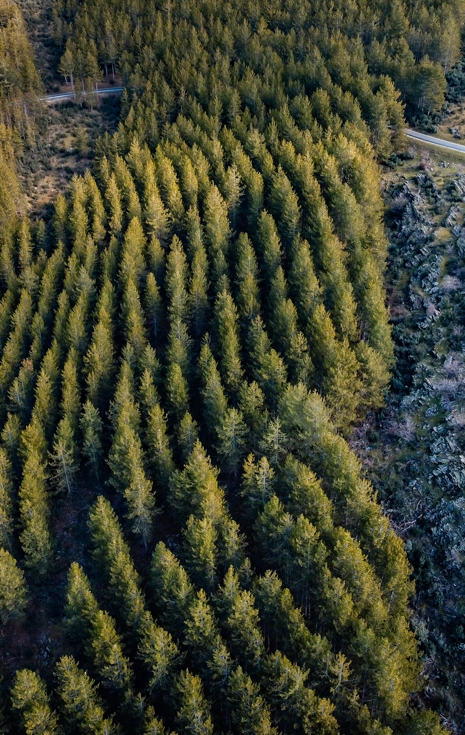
(188, 542)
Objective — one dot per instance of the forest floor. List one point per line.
(453, 120)
(414, 450)
(38, 17)
(62, 149)
(68, 130)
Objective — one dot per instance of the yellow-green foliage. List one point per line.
(209, 330)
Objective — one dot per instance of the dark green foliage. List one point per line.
(183, 361)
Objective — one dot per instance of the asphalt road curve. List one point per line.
(435, 141)
(69, 95)
(410, 133)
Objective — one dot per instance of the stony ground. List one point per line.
(414, 451)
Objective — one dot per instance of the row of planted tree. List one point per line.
(174, 315)
(185, 347)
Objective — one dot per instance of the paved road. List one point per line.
(410, 133)
(70, 95)
(436, 141)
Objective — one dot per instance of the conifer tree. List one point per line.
(217, 233)
(77, 326)
(193, 714)
(81, 605)
(153, 306)
(133, 252)
(285, 208)
(270, 244)
(97, 630)
(64, 457)
(91, 429)
(233, 189)
(250, 714)
(148, 392)
(153, 725)
(99, 363)
(78, 216)
(168, 184)
(133, 317)
(177, 391)
(231, 546)
(258, 480)
(24, 246)
(159, 451)
(21, 391)
(60, 218)
(251, 403)
(299, 706)
(96, 207)
(242, 623)
(172, 591)
(231, 442)
(187, 436)
(112, 665)
(228, 340)
(176, 281)
(46, 391)
(189, 182)
(248, 297)
(15, 348)
(200, 538)
(11, 439)
(304, 287)
(29, 697)
(126, 186)
(156, 216)
(179, 347)
(195, 489)
(126, 461)
(268, 368)
(6, 500)
(114, 206)
(80, 702)
(61, 317)
(342, 386)
(159, 653)
(70, 395)
(202, 633)
(305, 494)
(13, 591)
(198, 291)
(212, 390)
(126, 457)
(34, 508)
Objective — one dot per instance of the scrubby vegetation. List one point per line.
(415, 454)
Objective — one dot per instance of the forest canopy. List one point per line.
(186, 346)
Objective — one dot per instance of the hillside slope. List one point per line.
(188, 541)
